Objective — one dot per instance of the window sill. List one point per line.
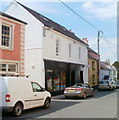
(6, 48)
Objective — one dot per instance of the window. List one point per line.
(36, 87)
(69, 50)
(11, 67)
(93, 79)
(8, 67)
(44, 32)
(57, 47)
(6, 36)
(3, 67)
(79, 52)
(93, 65)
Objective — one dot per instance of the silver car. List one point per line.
(79, 90)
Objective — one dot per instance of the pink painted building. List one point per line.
(11, 45)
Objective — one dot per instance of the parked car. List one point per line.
(19, 93)
(106, 84)
(117, 84)
(79, 90)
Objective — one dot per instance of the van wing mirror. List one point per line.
(43, 89)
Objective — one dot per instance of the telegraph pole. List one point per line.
(98, 40)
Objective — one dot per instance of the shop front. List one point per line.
(59, 75)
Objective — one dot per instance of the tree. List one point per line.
(116, 65)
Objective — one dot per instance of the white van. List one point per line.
(19, 93)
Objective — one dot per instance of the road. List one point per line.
(102, 105)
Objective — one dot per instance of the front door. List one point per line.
(73, 78)
(81, 77)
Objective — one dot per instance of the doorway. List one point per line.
(81, 77)
(72, 78)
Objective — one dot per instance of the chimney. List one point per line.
(85, 40)
(70, 30)
(108, 61)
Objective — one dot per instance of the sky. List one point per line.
(102, 15)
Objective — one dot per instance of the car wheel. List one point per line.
(66, 97)
(47, 103)
(18, 109)
(110, 88)
(84, 95)
(99, 90)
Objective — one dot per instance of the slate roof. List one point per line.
(103, 66)
(11, 17)
(92, 54)
(51, 24)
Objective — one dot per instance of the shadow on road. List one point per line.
(38, 112)
(97, 95)
(103, 93)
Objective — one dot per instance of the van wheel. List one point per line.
(47, 103)
(17, 111)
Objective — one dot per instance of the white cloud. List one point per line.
(107, 50)
(101, 10)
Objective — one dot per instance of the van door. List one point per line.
(38, 94)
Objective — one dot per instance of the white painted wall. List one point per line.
(33, 34)
(38, 47)
(49, 50)
(104, 73)
(33, 42)
(35, 65)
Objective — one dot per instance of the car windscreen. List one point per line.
(78, 85)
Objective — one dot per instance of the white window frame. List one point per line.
(44, 32)
(11, 36)
(7, 67)
(57, 47)
(79, 52)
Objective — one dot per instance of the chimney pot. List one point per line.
(85, 40)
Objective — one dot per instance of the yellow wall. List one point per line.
(93, 71)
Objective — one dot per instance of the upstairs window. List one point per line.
(69, 50)
(79, 52)
(6, 36)
(44, 32)
(93, 65)
(57, 47)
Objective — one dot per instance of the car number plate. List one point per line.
(72, 90)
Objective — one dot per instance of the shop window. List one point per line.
(56, 80)
(63, 80)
